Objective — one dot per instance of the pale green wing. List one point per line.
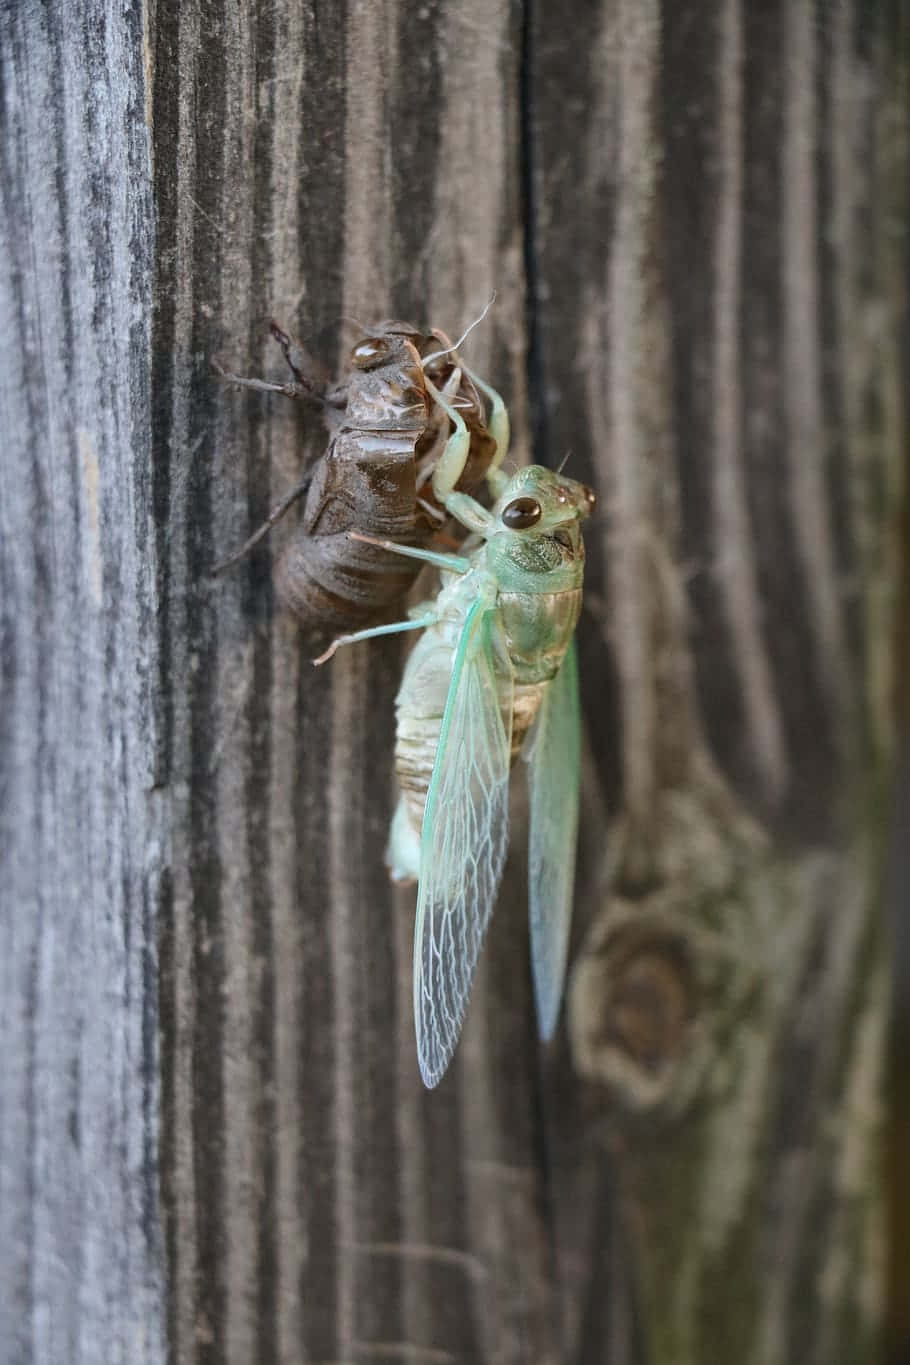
(554, 757)
(464, 839)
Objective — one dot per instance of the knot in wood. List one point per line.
(633, 1005)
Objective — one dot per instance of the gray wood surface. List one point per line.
(695, 220)
(83, 822)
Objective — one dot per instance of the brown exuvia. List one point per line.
(386, 435)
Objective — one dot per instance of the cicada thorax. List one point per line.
(375, 478)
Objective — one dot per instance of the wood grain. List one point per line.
(320, 1206)
(694, 218)
(81, 821)
(727, 1005)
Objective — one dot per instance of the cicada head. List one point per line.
(382, 348)
(541, 500)
(538, 535)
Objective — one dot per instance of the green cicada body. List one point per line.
(494, 674)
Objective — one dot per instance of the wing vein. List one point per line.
(464, 839)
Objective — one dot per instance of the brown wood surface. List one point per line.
(214, 1143)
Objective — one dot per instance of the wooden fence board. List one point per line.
(694, 217)
(81, 824)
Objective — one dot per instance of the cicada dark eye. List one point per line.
(589, 496)
(370, 352)
(521, 514)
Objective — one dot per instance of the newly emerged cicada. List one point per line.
(494, 674)
(388, 435)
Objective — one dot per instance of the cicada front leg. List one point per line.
(430, 460)
(449, 469)
(499, 429)
(310, 380)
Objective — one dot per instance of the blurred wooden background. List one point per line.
(214, 1144)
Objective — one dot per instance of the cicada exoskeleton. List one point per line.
(387, 435)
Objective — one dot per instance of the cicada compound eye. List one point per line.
(589, 496)
(521, 513)
(370, 352)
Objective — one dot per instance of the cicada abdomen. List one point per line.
(387, 433)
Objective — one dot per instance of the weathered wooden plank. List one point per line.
(315, 162)
(80, 821)
(694, 217)
(724, 357)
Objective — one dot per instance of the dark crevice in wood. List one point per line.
(529, 170)
(316, 1190)
(379, 1159)
(414, 113)
(572, 164)
(262, 990)
(144, 1004)
(56, 36)
(165, 123)
(692, 129)
(164, 103)
(452, 1301)
(265, 1230)
(803, 701)
(609, 1262)
(167, 1122)
(209, 1106)
(262, 353)
(542, 1155)
(896, 59)
(794, 1112)
(321, 192)
(835, 366)
(897, 897)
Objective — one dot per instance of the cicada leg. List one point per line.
(450, 467)
(451, 563)
(243, 381)
(396, 628)
(499, 429)
(310, 380)
(430, 460)
(275, 515)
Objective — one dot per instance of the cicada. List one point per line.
(493, 674)
(388, 435)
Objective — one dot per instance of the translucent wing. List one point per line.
(465, 833)
(554, 755)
